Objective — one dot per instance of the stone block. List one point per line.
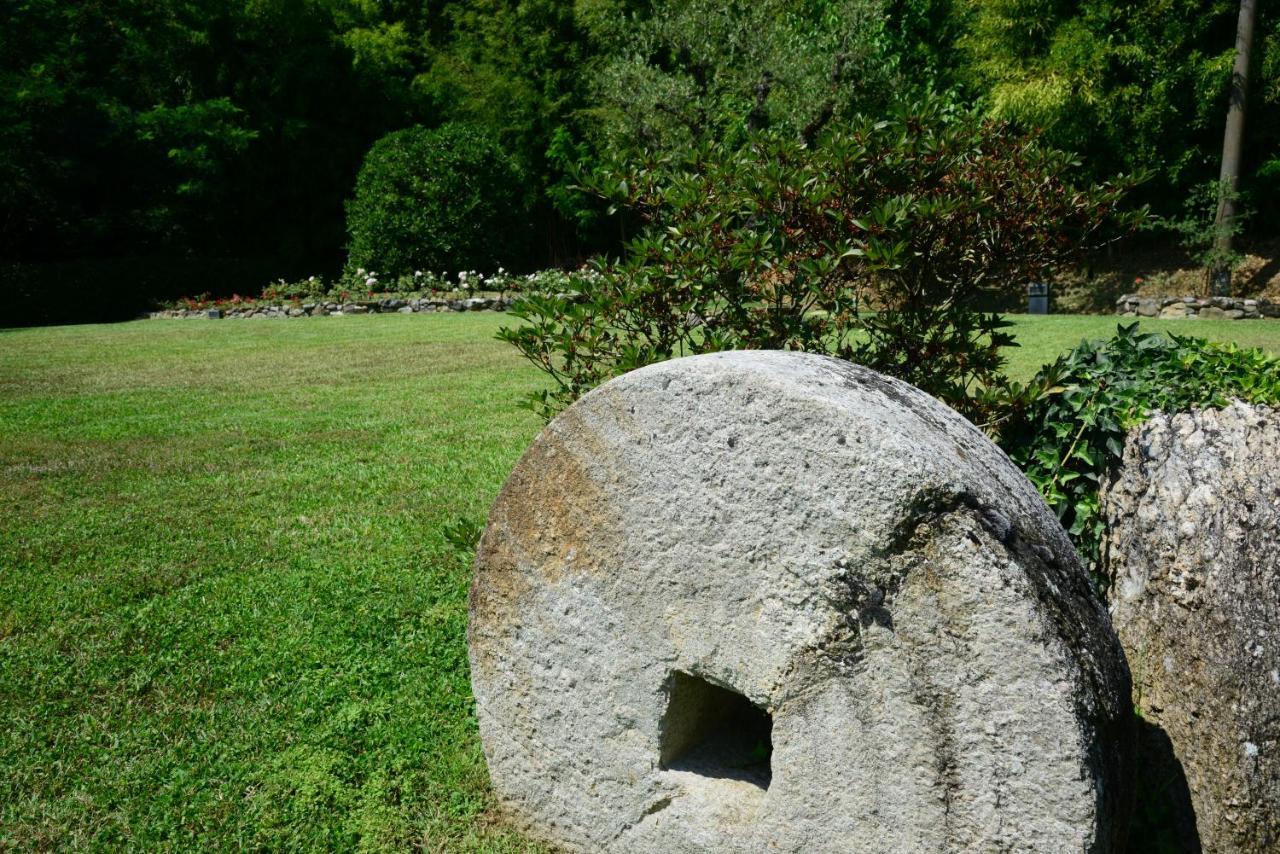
(1193, 546)
(765, 601)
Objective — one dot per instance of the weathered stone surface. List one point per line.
(1194, 551)
(1216, 308)
(713, 554)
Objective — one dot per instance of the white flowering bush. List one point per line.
(361, 284)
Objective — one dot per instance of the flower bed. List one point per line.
(384, 305)
(363, 293)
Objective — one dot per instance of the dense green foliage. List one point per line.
(1201, 234)
(222, 139)
(177, 127)
(200, 136)
(703, 71)
(1131, 85)
(443, 199)
(878, 245)
(1073, 430)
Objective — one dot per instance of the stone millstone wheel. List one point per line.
(766, 601)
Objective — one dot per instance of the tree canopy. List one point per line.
(234, 129)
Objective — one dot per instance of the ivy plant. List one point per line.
(1066, 429)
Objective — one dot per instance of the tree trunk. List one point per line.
(1232, 144)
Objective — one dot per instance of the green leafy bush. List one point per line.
(1068, 426)
(448, 198)
(879, 246)
(1199, 231)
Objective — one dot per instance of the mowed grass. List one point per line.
(1043, 338)
(229, 617)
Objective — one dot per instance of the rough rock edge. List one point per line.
(1209, 308)
(1050, 565)
(1187, 481)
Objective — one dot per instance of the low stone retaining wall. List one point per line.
(1209, 308)
(319, 309)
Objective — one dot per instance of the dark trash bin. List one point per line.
(1038, 298)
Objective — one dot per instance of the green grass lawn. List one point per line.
(228, 615)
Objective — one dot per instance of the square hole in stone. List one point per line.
(715, 732)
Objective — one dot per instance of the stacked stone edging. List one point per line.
(1208, 308)
(331, 308)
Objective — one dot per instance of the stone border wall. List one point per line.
(1129, 305)
(1209, 308)
(320, 309)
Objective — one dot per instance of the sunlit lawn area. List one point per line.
(228, 615)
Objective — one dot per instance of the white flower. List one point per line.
(360, 271)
